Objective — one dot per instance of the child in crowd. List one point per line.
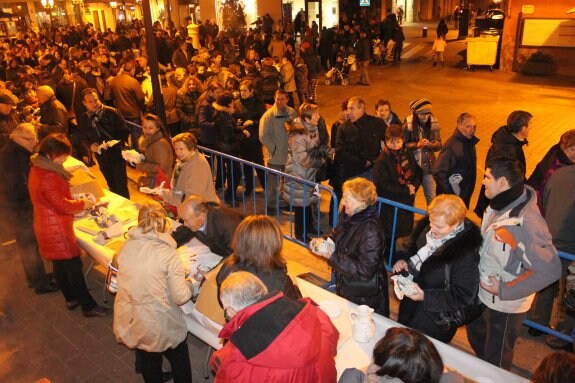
(439, 47)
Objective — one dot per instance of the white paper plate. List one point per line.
(331, 308)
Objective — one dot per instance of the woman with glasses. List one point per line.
(421, 136)
(192, 173)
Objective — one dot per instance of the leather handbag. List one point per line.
(462, 316)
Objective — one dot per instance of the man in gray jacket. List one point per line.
(273, 136)
(517, 260)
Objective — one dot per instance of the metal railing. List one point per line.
(252, 203)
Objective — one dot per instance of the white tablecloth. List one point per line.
(352, 354)
(192, 254)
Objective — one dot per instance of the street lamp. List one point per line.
(48, 6)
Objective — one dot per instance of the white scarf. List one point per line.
(431, 245)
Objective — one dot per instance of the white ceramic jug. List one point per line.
(362, 324)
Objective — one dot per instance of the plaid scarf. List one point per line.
(402, 165)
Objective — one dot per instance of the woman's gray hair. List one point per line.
(241, 289)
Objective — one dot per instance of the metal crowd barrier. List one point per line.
(249, 204)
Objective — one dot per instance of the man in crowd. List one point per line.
(421, 135)
(210, 223)
(358, 142)
(517, 260)
(99, 125)
(273, 136)
(16, 209)
(9, 117)
(455, 168)
(508, 140)
(363, 56)
(272, 337)
(130, 100)
(53, 114)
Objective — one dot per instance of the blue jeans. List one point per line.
(428, 184)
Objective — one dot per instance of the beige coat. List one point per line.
(151, 286)
(195, 177)
(159, 155)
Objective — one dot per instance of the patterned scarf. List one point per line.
(431, 245)
(401, 161)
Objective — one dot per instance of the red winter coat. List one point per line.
(54, 211)
(278, 340)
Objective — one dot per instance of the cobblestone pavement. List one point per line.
(40, 338)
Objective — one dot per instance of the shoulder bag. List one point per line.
(463, 315)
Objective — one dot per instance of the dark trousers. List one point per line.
(492, 336)
(256, 156)
(135, 131)
(175, 128)
(116, 177)
(178, 357)
(70, 278)
(301, 222)
(233, 175)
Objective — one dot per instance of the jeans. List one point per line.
(428, 183)
(178, 357)
(135, 132)
(70, 278)
(492, 336)
(273, 186)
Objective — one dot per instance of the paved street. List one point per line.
(40, 338)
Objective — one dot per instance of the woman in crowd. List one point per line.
(192, 173)
(557, 367)
(448, 243)
(54, 211)
(305, 157)
(397, 177)
(151, 286)
(248, 111)
(186, 101)
(257, 245)
(383, 111)
(158, 152)
(358, 258)
(403, 355)
(560, 154)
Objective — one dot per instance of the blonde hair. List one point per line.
(188, 139)
(361, 189)
(152, 217)
(450, 207)
(258, 241)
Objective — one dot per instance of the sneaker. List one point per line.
(49, 288)
(98, 311)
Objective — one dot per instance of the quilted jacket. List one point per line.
(54, 211)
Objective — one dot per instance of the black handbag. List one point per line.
(462, 316)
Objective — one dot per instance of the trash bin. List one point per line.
(482, 51)
(424, 32)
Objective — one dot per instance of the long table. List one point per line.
(350, 353)
(353, 354)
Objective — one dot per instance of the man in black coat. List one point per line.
(16, 207)
(53, 114)
(363, 56)
(99, 125)
(210, 223)
(507, 141)
(455, 168)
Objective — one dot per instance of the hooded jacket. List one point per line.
(54, 209)
(517, 248)
(278, 340)
(303, 162)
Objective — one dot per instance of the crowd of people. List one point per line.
(70, 94)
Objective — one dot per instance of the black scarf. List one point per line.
(503, 199)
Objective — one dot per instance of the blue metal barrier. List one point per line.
(249, 203)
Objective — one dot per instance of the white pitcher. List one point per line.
(362, 324)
